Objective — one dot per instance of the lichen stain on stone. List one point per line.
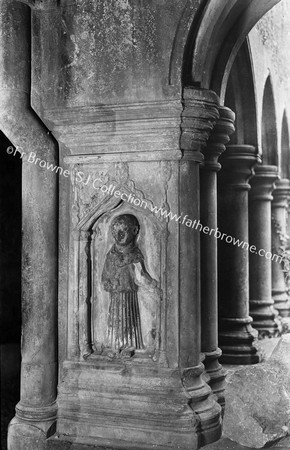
(272, 34)
(110, 51)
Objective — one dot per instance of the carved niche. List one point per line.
(118, 283)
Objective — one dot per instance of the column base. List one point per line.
(265, 318)
(129, 406)
(285, 325)
(236, 339)
(24, 435)
(281, 303)
(216, 375)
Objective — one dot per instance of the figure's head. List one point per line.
(125, 228)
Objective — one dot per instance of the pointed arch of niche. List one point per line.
(217, 33)
(285, 148)
(269, 126)
(241, 98)
(90, 304)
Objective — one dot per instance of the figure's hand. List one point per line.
(158, 291)
(111, 285)
(156, 288)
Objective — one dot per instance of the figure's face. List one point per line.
(125, 229)
(123, 233)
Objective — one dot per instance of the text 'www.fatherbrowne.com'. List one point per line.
(185, 220)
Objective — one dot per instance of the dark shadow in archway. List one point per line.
(285, 149)
(269, 131)
(10, 281)
(240, 97)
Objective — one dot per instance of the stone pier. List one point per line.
(281, 196)
(209, 287)
(265, 316)
(236, 335)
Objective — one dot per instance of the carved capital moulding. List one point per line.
(124, 347)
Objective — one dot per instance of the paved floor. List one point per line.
(223, 444)
(227, 444)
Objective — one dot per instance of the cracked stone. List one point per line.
(258, 400)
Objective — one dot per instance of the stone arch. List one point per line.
(213, 42)
(285, 148)
(269, 128)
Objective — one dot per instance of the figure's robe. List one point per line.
(118, 278)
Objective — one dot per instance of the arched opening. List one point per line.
(285, 148)
(269, 130)
(10, 280)
(240, 97)
(214, 40)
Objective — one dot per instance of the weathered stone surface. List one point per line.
(225, 444)
(258, 400)
(144, 398)
(283, 443)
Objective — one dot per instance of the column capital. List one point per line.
(281, 193)
(218, 139)
(262, 183)
(238, 162)
(200, 112)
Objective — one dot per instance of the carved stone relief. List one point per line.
(117, 284)
(123, 272)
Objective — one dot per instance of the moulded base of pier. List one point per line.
(265, 318)
(24, 435)
(281, 302)
(237, 341)
(216, 375)
(121, 405)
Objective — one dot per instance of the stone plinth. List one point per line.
(208, 215)
(236, 334)
(153, 390)
(261, 303)
(281, 195)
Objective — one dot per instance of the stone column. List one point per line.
(200, 112)
(208, 214)
(36, 412)
(281, 195)
(236, 334)
(261, 303)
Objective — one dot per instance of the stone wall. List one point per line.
(88, 53)
(269, 43)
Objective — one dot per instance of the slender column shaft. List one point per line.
(281, 196)
(236, 334)
(209, 295)
(36, 411)
(200, 112)
(261, 303)
(85, 295)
